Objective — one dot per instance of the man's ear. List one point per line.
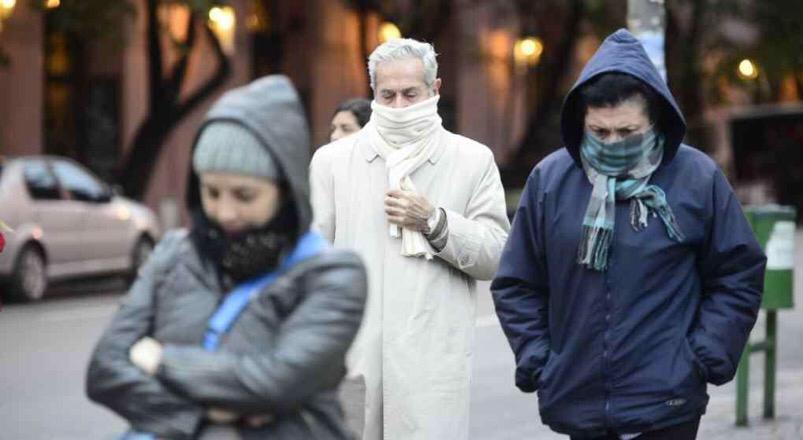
(436, 86)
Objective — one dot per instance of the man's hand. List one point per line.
(221, 416)
(409, 210)
(146, 354)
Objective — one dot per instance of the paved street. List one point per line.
(44, 349)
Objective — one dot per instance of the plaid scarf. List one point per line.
(621, 171)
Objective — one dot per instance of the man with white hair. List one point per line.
(426, 210)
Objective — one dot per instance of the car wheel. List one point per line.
(29, 280)
(142, 250)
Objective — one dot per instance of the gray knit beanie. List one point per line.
(228, 147)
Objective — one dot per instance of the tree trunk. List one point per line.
(145, 149)
(532, 146)
(691, 91)
(166, 110)
(362, 20)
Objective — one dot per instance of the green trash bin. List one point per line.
(774, 227)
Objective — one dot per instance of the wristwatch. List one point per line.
(433, 220)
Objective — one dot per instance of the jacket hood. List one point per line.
(621, 52)
(271, 110)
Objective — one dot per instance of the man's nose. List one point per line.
(398, 102)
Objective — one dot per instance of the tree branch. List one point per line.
(218, 79)
(162, 119)
(155, 66)
(179, 73)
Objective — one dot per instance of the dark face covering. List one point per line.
(250, 253)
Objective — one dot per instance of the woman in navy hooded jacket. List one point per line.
(631, 277)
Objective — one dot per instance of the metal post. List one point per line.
(646, 19)
(742, 387)
(769, 366)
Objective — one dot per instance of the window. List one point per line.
(79, 183)
(41, 183)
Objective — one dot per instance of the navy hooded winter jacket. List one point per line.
(629, 349)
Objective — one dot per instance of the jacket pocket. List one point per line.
(546, 385)
(548, 371)
(697, 364)
(689, 385)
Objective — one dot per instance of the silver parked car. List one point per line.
(67, 223)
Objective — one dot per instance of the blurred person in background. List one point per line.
(425, 208)
(349, 117)
(631, 277)
(239, 327)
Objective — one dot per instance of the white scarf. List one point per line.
(406, 138)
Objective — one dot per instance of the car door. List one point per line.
(106, 223)
(59, 219)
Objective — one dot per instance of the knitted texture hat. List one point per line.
(228, 147)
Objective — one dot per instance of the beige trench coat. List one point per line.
(414, 347)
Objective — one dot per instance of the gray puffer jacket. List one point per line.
(283, 357)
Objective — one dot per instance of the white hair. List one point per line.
(401, 49)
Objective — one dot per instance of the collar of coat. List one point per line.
(370, 153)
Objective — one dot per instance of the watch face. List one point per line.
(432, 221)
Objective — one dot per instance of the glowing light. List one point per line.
(747, 69)
(223, 20)
(528, 50)
(123, 213)
(223, 17)
(388, 31)
(6, 8)
(176, 18)
(52, 4)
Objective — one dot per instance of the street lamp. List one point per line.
(527, 51)
(6, 8)
(747, 69)
(388, 31)
(175, 17)
(223, 21)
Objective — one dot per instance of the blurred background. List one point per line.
(114, 91)
(120, 86)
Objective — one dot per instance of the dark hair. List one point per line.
(359, 107)
(611, 89)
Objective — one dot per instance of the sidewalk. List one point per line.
(718, 423)
(500, 412)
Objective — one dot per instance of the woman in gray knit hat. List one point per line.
(237, 328)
